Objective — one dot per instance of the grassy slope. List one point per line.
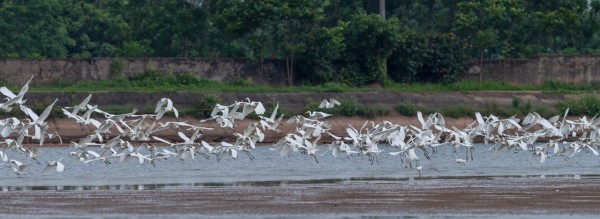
(159, 83)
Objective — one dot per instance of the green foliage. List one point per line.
(350, 107)
(335, 87)
(204, 107)
(408, 109)
(516, 102)
(546, 112)
(152, 78)
(458, 111)
(34, 29)
(369, 41)
(495, 109)
(136, 49)
(561, 87)
(521, 107)
(428, 58)
(117, 67)
(323, 47)
(241, 82)
(587, 105)
(494, 29)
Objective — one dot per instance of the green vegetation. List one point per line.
(587, 105)
(204, 107)
(350, 107)
(456, 111)
(341, 42)
(408, 109)
(154, 81)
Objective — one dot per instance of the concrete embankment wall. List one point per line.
(48, 71)
(572, 69)
(575, 69)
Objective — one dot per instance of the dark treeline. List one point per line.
(342, 41)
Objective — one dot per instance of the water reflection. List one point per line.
(270, 169)
(279, 183)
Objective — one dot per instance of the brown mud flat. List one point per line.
(503, 196)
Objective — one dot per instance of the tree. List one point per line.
(369, 41)
(324, 46)
(273, 26)
(563, 22)
(33, 30)
(431, 58)
(171, 28)
(97, 33)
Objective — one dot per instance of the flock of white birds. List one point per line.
(509, 134)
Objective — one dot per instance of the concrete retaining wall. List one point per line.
(298, 101)
(575, 69)
(47, 71)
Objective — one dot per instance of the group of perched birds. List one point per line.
(121, 137)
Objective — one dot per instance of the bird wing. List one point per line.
(175, 112)
(259, 109)
(161, 140)
(169, 106)
(334, 102)
(46, 112)
(59, 167)
(233, 153)
(34, 117)
(274, 113)
(323, 104)
(48, 167)
(182, 136)
(7, 92)
(421, 120)
(25, 86)
(14, 100)
(82, 105)
(159, 113)
(480, 120)
(159, 105)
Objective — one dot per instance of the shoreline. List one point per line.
(467, 197)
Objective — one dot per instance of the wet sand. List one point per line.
(438, 197)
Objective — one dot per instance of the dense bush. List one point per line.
(587, 105)
(354, 52)
(350, 107)
(408, 109)
(369, 41)
(428, 58)
(152, 78)
(323, 48)
(458, 111)
(205, 106)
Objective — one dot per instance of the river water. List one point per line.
(271, 169)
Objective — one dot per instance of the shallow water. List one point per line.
(271, 169)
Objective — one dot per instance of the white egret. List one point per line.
(55, 164)
(165, 105)
(328, 104)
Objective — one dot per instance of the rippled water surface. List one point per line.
(271, 169)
